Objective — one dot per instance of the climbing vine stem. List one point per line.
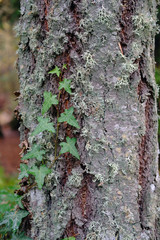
(57, 132)
(39, 169)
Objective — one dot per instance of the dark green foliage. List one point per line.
(56, 71)
(11, 220)
(24, 171)
(8, 200)
(66, 85)
(36, 152)
(70, 238)
(157, 76)
(11, 209)
(44, 125)
(49, 100)
(68, 117)
(40, 174)
(69, 146)
(20, 236)
(9, 11)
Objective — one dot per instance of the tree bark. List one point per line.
(112, 191)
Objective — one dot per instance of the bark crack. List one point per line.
(83, 206)
(145, 94)
(71, 45)
(83, 197)
(46, 13)
(43, 6)
(126, 24)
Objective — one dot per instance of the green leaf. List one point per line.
(64, 66)
(49, 100)
(70, 238)
(13, 219)
(17, 218)
(56, 71)
(69, 146)
(44, 125)
(9, 200)
(24, 170)
(40, 174)
(36, 152)
(5, 224)
(5, 229)
(20, 237)
(68, 117)
(66, 85)
(6, 220)
(19, 201)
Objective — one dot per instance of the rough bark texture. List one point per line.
(111, 193)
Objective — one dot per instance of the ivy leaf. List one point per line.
(13, 219)
(17, 218)
(69, 146)
(19, 201)
(6, 220)
(40, 174)
(9, 200)
(66, 85)
(68, 117)
(24, 170)
(20, 237)
(5, 228)
(49, 100)
(36, 152)
(64, 66)
(56, 71)
(70, 238)
(44, 125)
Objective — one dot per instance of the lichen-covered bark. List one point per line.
(111, 193)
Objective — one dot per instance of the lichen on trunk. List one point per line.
(108, 46)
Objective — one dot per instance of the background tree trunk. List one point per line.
(111, 193)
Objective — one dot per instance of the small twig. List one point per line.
(120, 48)
(57, 132)
(58, 113)
(34, 184)
(75, 235)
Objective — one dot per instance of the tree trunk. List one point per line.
(111, 192)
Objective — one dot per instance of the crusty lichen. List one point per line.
(145, 24)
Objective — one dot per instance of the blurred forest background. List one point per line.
(9, 136)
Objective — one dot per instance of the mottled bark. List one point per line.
(112, 192)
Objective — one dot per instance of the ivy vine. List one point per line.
(11, 221)
(44, 124)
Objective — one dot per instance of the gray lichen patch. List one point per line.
(144, 24)
(128, 67)
(75, 178)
